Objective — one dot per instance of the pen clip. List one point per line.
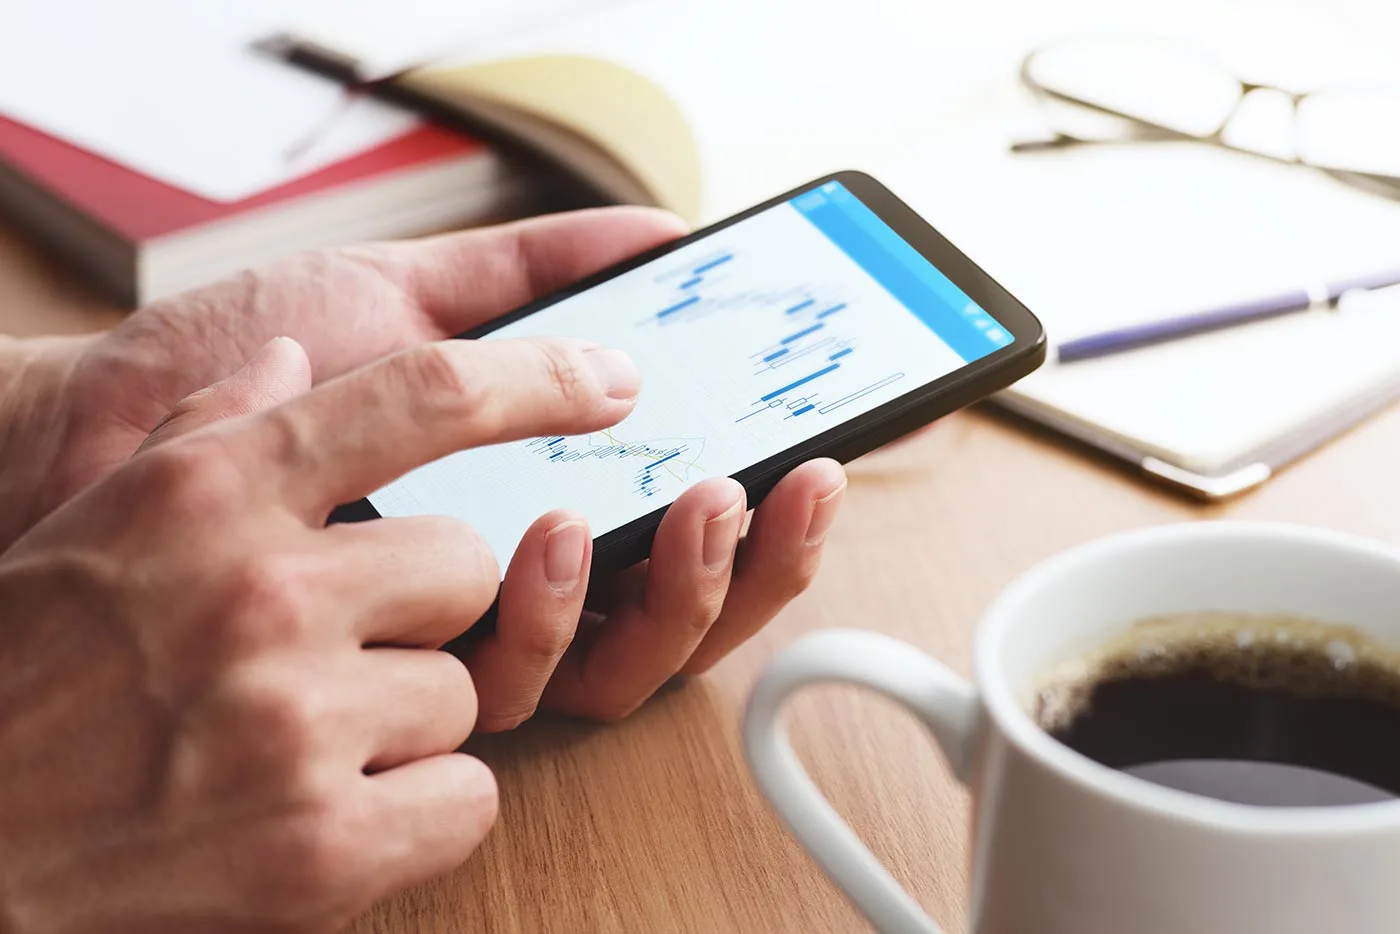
(1385, 296)
(1320, 297)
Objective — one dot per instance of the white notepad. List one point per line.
(1098, 237)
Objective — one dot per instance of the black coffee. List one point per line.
(1265, 711)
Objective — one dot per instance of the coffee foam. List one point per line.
(1304, 657)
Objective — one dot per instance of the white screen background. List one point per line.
(713, 402)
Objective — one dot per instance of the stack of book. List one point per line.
(150, 205)
(142, 238)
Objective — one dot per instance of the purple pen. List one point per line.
(1322, 295)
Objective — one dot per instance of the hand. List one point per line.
(218, 713)
(78, 408)
(600, 652)
(682, 611)
(348, 307)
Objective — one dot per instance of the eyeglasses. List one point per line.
(1116, 89)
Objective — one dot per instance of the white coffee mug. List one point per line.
(1062, 844)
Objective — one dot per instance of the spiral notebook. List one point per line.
(1095, 237)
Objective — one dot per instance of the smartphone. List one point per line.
(823, 323)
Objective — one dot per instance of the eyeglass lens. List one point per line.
(1174, 88)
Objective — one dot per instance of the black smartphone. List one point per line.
(823, 323)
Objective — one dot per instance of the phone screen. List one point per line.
(751, 340)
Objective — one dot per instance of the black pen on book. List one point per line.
(1163, 330)
(361, 80)
(330, 64)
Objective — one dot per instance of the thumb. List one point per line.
(276, 373)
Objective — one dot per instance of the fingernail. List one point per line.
(615, 372)
(563, 554)
(721, 534)
(823, 514)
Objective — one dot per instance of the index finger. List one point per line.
(352, 435)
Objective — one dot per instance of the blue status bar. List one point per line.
(902, 271)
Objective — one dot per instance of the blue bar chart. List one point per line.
(650, 460)
(783, 327)
(797, 373)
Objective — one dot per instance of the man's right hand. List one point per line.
(216, 713)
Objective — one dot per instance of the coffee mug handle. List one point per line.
(945, 703)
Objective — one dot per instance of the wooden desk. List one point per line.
(652, 825)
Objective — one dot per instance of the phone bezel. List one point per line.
(919, 406)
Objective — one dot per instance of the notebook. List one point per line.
(174, 90)
(700, 111)
(1096, 237)
(156, 147)
(601, 122)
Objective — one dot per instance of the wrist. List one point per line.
(35, 374)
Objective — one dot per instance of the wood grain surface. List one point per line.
(652, 825)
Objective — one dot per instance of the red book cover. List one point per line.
(141, 208)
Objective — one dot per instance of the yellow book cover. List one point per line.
(609, 125)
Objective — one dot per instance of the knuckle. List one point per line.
(193, 474)
(317, 871)
(365, 264)
(191, 403)
(459, 539)
(268, 603)
(286, 439)
(472, 558)
(281, 725)
(795, 584)
(546, 638)
(703, 614)
(764, 585)
(325, 847)
(436, 375)
(698, 611)
(563, 370)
